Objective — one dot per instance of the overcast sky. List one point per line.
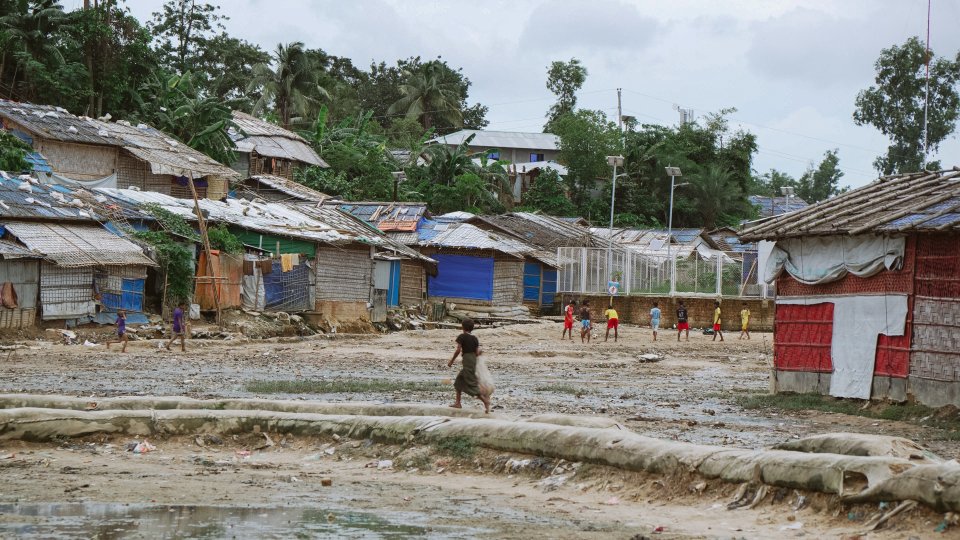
(792, 68)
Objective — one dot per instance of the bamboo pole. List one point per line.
(206, 248)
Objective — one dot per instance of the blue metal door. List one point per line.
(393, 291)
(531, 282)
(549, 287)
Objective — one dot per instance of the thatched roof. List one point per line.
(542, 231)
(164, 154)
(271, 140)
(923, 202)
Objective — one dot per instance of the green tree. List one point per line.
(564, 79)
(182, 30)
(586, 139)
(174, 105)
(13, 153)
(895, 104)
(289, 84)
(717, 195)
(547, 195)
(769, 183)
(225, 65)
(821, 182)
(429, 92)
(32, 65)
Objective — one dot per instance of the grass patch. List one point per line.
(458, 447)
(947, 419)
(341, 386)
(562, 389)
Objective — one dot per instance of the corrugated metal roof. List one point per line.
(375, 213)
(38, 163)
(345, 222)
(466, 236)
(294, 189)
(165, 155)
(43, 202)
(774, 206)
(923, 202)
(12, 250)
(272, 140)
(78, 245)
(502, 139)
(535, 165)
(542, 231)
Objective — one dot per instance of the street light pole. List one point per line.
(614, 161)
(674, 172)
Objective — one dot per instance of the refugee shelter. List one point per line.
(477, 267)
(268, 149)
(868, 291)
(546, 234)
(276, 189)
(89, 153)
(19, 285)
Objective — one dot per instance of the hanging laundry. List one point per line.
(286, 262)
(295, 259)
(8, 295)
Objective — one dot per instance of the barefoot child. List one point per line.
(179, 328)
(655, 319)
(585, 322)
(745, 322)
(716, 322)
(121, 331)
(682, 324)
(613, 322)
(568, 320)
(466, 382)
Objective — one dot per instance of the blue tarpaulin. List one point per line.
(531, 282)
(462, 276)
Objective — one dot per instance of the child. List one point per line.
(121, 331)
(568, 320)
(716, 322)
(585, 322)
(745, 321)
(179, 328)
(655, 319)
(613, 321)
(682, 324)
(469, 346)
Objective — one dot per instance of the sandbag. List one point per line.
(484, 378)
(860, 444)
(937, 486)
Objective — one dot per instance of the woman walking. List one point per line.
(467, 383)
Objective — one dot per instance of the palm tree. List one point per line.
(289, 84)
(715, 193)
(429, 92)
(26, 33)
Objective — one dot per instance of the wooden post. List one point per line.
(202, 225)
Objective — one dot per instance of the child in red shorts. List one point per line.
(568, 320)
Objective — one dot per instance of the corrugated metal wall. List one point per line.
(344, 274)
(24, 274)
(66, 293)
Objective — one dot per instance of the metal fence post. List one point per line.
(583, 270)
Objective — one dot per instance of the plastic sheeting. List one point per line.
(105, 182)
(462, 276)
(822, 259)
(226, 282)
(253, 295)
(857, 323)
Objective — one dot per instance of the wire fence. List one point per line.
(725, 274)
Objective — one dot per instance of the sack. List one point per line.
(484, 378)
(8, 295)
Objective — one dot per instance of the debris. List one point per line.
(384, 464)
(267, 442)
(243, 454)
(612, 501)
(659, 529)
(792, 527)
(88, 343)
(649, 357)
(326, 482)
(879, 520)
(141, 447)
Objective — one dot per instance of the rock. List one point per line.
(283, 316)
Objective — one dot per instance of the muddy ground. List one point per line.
(689, 394)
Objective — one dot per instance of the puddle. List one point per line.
(112, 520)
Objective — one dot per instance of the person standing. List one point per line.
(682, 324)
(179, 328)
(655, 319)
(717, 320)
(466, 383)
(613, 322)
(568, 320)
(745, 322)
(585, 321)
(121, 331)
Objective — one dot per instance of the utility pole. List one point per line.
(926, 98)
(619, 112)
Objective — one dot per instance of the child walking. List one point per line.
(469, 346)
(745, 322)
(121, 331)
(716, 322)
(568, 320)
(682, 324)
(585, 322)
(655, 319)
(179, 328)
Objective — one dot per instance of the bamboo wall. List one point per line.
(79, 161)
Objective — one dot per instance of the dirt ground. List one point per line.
(688, 394)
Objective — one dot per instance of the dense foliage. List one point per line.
(13, 152)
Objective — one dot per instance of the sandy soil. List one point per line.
(688, 395)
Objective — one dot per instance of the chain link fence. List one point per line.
(725, 274)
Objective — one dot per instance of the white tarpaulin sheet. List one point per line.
(253, 295)
(857, 323)
(822, 259)
(105, 182)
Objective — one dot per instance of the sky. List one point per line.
(792, 68)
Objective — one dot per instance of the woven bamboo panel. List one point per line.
(79, 161)
(936, 339)
(802, 337)
(17, 318)
(938, 266)
(507, 282)
(413, 283)
(344, 274)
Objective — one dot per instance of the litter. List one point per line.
(792, 527)
(141, 447)
(385, 464)
(612, 501)
(649, 357)
(88, 343)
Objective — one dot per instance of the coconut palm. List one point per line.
(715, 193)
(25, 37)
(429, 92)
(289, 83)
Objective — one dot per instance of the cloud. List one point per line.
(567, 27)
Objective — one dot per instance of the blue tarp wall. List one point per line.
(462, 276)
